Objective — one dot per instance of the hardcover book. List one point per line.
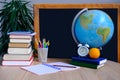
(18, 56)
(17, 62)
(21, 33)
(89, 65)
(19, 50)
(20, 36)
(14, 40)
(19, 45)
(99, 60)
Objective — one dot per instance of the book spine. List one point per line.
(18, 56)
(19, 50)
(19, 45)
(20, 37)
(17, 63)
(83, 64)
(22, 33)
(87, 61)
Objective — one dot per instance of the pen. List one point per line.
(64, 66)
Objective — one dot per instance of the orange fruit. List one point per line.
(94, 53)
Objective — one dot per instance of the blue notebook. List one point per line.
(89, 60)
(21, 33)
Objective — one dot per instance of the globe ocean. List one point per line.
(93, 27)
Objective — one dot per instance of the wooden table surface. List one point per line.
(111, 71)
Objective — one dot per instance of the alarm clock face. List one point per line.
(83, 51)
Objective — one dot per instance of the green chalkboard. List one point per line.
(55, 24)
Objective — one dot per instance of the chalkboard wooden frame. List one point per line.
(73, 6)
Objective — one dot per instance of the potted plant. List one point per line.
(15, 15)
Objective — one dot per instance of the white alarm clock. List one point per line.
(83, 50)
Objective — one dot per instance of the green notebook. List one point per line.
(84, 64)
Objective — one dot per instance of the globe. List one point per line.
(92, 27)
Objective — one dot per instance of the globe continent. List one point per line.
(93, 27)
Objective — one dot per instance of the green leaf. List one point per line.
(15, 15)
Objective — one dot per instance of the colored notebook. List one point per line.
(89, 60)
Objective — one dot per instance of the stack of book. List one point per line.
(88, 62)
(19, 49)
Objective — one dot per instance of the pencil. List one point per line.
(64, 66)
(40, 43)
(48, 43)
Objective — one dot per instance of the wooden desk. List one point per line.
(111, 71)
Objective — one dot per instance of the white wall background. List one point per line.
(69, 1)
(75, 1)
